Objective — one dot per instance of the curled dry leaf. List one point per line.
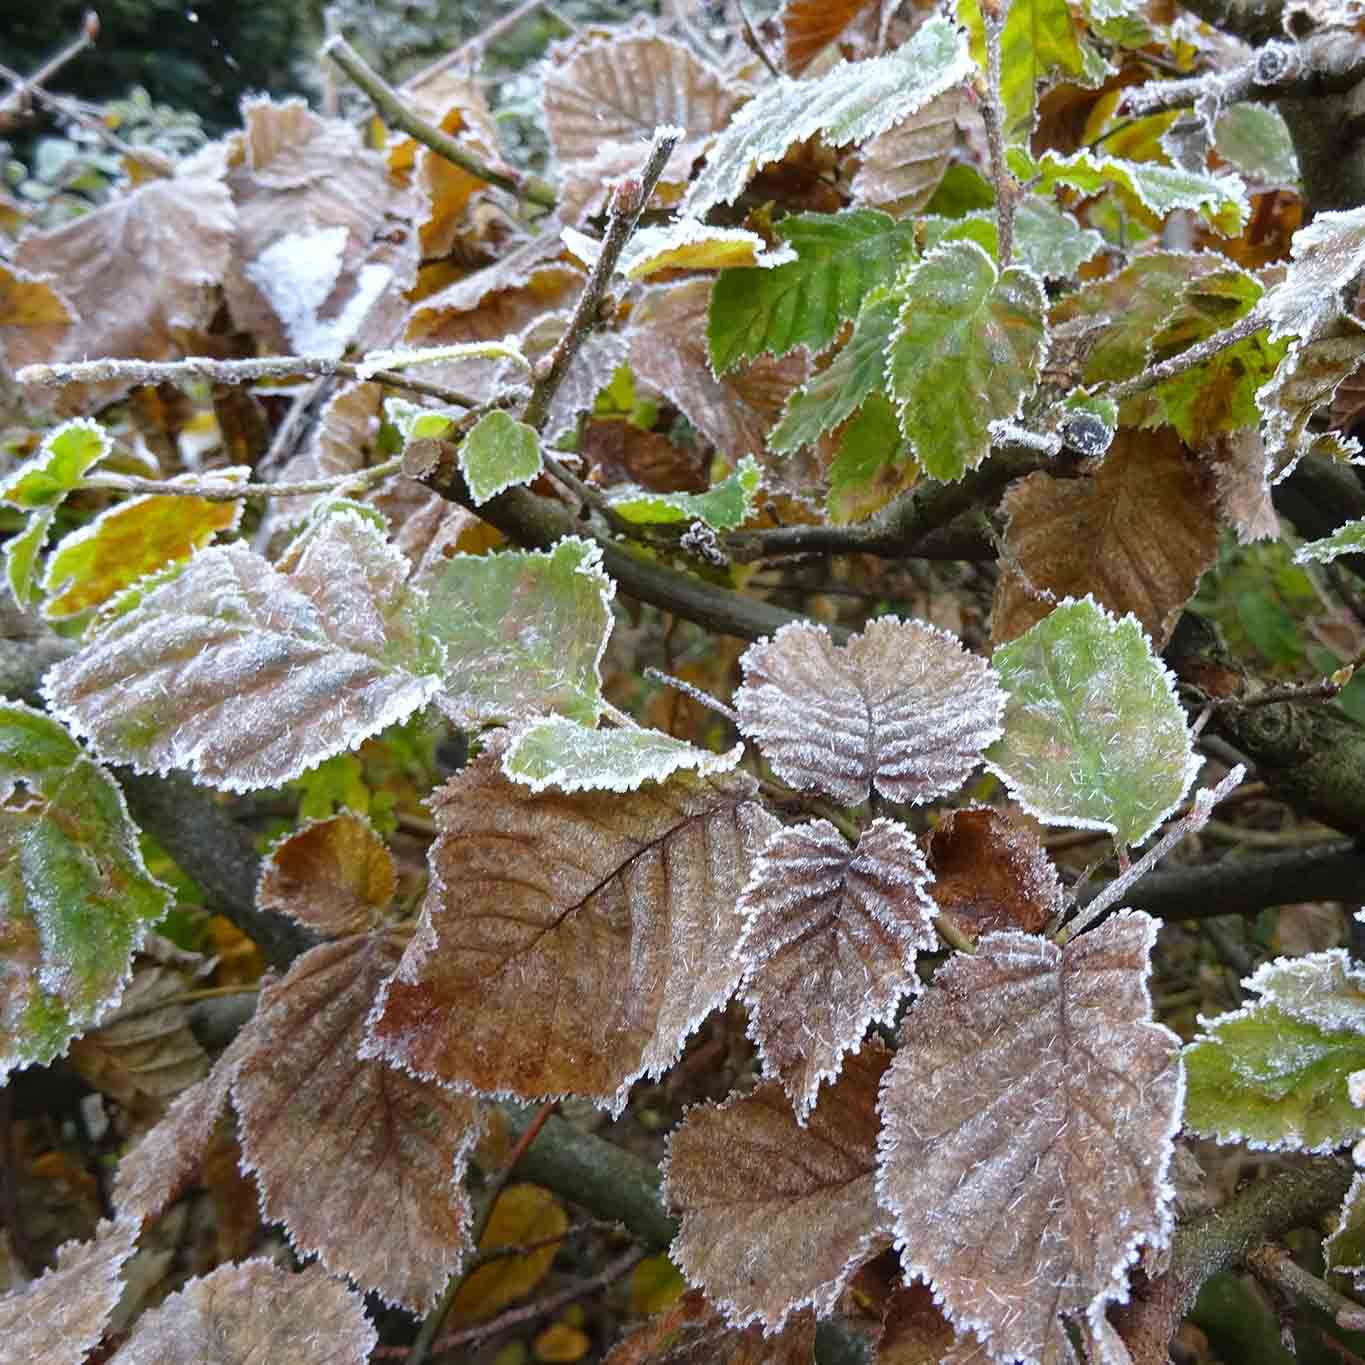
(247, 676)
(991, 874)
(776, 1217)
(830, 938)
(570, 943)
(60, 1317)
(691, 1332)
(810, 26)
(1138, 535)
(361, 1162)
(902, 167)
(335, 876)
(903, 707)
(251, 1312)
(1028, 1120)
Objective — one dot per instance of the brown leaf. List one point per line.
(902, 167)
(1027, 1126)
(810, 26)
(252, 1312)
(776, 1217)
(525, 1215)
(914, 1330)
(343, 442)
(139, 274)
(61, 1316)
(143, 1051)
(990, 873)
(569, 944)
(1136, 535)
(903, 707)
(34, 317)
(1241, 487)
(693, 1333)
(668, 352)
(361, 1162)
(829, 945)
(620, 452)
(427, 528)
(335, 876)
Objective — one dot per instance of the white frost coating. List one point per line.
(1327, 255)
(645, 250)
(47, 456)
(401, 357)
(586, 248)
(556, 752)
(1355, 1088)
(1324, 989)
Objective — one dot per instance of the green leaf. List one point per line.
(525, 632)
(560, 753)
(858, 370)
(853, 102)
(725, 506)
(1047, 240)
(63, 460)
(1040, 44)
(840, 257)
(1264, 1076)
(872, 465)
(1094, 735)
(21, 555)
(498, 454)
(965, 353)
(1158, 190)
(962, 190)
(1346, 540)
(76, 899)
(1254, 139)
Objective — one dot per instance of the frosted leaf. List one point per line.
(1255, 141)
(139, 273)
(1345, 1248)
(604, 98)
(1241, 485)
(21, 556)
(427, 529)
(76, 899)
(1138, 534)
(668, 351)
(853, 102)
(1094, 735)
(855, 373)
(902, 167)
(872, 465)
(1328, 255)
(1028, 1120)
(776, 1217)
(361, 1162)
(247, 676)
(61, 1316)
(144, 1051)
(914, 1330)
(570, 943)
(692, 245)
(691, 1332)
(334, 876)
(1320, 988)
(990, 873)
(33, 318)
(250, 1312)
(131, 539)
(499, 454)
(559, 753)
(724, 506)
(830, 938)
(902, 707)
(1347, 540)
(963, 327)
(525, 631)
(834, 260)
(810, 26)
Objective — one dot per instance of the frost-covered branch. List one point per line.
(210, 491)
(993, 16)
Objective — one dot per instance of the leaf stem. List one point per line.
(1188, 359)
(994, 14)
(527, 188)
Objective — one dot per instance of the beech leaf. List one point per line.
(559, 753)
(689, 244)
(1094, 735)
(810, 26)
(963, 328)
(838, 259)
(248, 676)
(1028, 1120)
(873, 463)
(525, 632)
(499, 454)
(60, 1317)
(1328, 255)
(570, 943)
(76, 899)
(692, 1332)
(67, 454)
(361, 1162)
(903, 707)
(525, 1215)
(830, 939)
(250, 1312)
(902, 167)
(776, 1217)
(724, 506)
(334, 876)
(853, 102)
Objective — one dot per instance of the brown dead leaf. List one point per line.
(1241, 485)
(618, 451)
(694, 1333)
(34, 317)
(810, 26)
(902, 167)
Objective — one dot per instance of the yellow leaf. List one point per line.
(655, 1284)
(561, 1342)
(524, 1214)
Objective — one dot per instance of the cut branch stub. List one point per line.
(830, 938)
(903, 707)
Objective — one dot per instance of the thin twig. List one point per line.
(696, 693)
(1324, 689)
(627, 204)
(993, 15)
(230, 372)
(231, 492)
(1274, 1265)
(32, 85)
(471, 47)
(751, 40)
(1188, 359)
(528, 188)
